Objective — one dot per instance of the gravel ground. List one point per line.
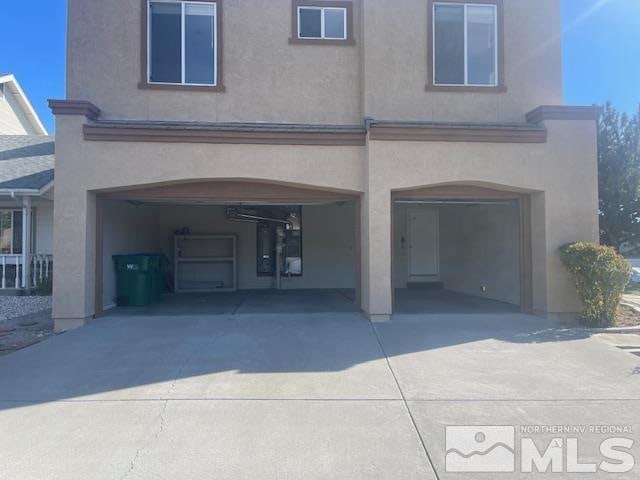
(21, 332)
(14, 307)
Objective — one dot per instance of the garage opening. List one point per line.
(297, 252)
(462, 250)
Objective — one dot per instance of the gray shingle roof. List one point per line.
(26, 161)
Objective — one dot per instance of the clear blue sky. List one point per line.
(601, 51)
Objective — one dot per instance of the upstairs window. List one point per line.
(322, 22)
(328, 23)
(465, 44)
(182, 44)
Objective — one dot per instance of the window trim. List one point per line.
(323, 22)
(347, 6)
(500, 87)
(146, 45)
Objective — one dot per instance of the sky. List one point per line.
(601, 51)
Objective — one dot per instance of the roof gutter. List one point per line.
(12, 192)
(26, 191)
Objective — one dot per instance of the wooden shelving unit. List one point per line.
(205, 263)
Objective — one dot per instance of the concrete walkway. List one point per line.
(291, 396)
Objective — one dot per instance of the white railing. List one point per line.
(12, 270)
(41, 268)
(11, 266)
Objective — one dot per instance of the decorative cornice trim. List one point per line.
(75, 107)
(456, 132)
(264, 134)
(563, 112)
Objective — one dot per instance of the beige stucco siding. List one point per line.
(382, 76)
(84, 167)
(563, 170)
(266, 79)
(395, 65)
(560, 175)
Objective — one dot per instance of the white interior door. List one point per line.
(423, 243)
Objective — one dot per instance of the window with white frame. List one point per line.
(182, 43)
(10, 232)
(465, 44)
(322, 23)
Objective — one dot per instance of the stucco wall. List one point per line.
(266, 79)
(395, 66)
(382, 76)
(561, 176)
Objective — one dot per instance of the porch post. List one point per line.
(26, 241)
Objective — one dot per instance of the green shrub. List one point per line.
(601, 275)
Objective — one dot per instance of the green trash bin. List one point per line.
(158, 264)
(135, 282)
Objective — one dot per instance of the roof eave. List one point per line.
(29, 111)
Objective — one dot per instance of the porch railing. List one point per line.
(12, 270)
(41, 268)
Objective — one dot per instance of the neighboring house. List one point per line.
(26, 192)
(398, 146)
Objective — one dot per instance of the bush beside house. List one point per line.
(601, 275)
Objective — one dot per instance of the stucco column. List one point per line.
(74, 233)
(377, 297)
(74, 258)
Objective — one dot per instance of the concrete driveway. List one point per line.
(313, 396)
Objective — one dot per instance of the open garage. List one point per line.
(234, 247)
(461, 250)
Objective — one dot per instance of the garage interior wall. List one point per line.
(478, 246)
(328, 241)
(127, 229)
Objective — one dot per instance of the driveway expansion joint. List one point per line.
(404, 402)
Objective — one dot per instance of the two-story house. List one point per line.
(412, 154)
